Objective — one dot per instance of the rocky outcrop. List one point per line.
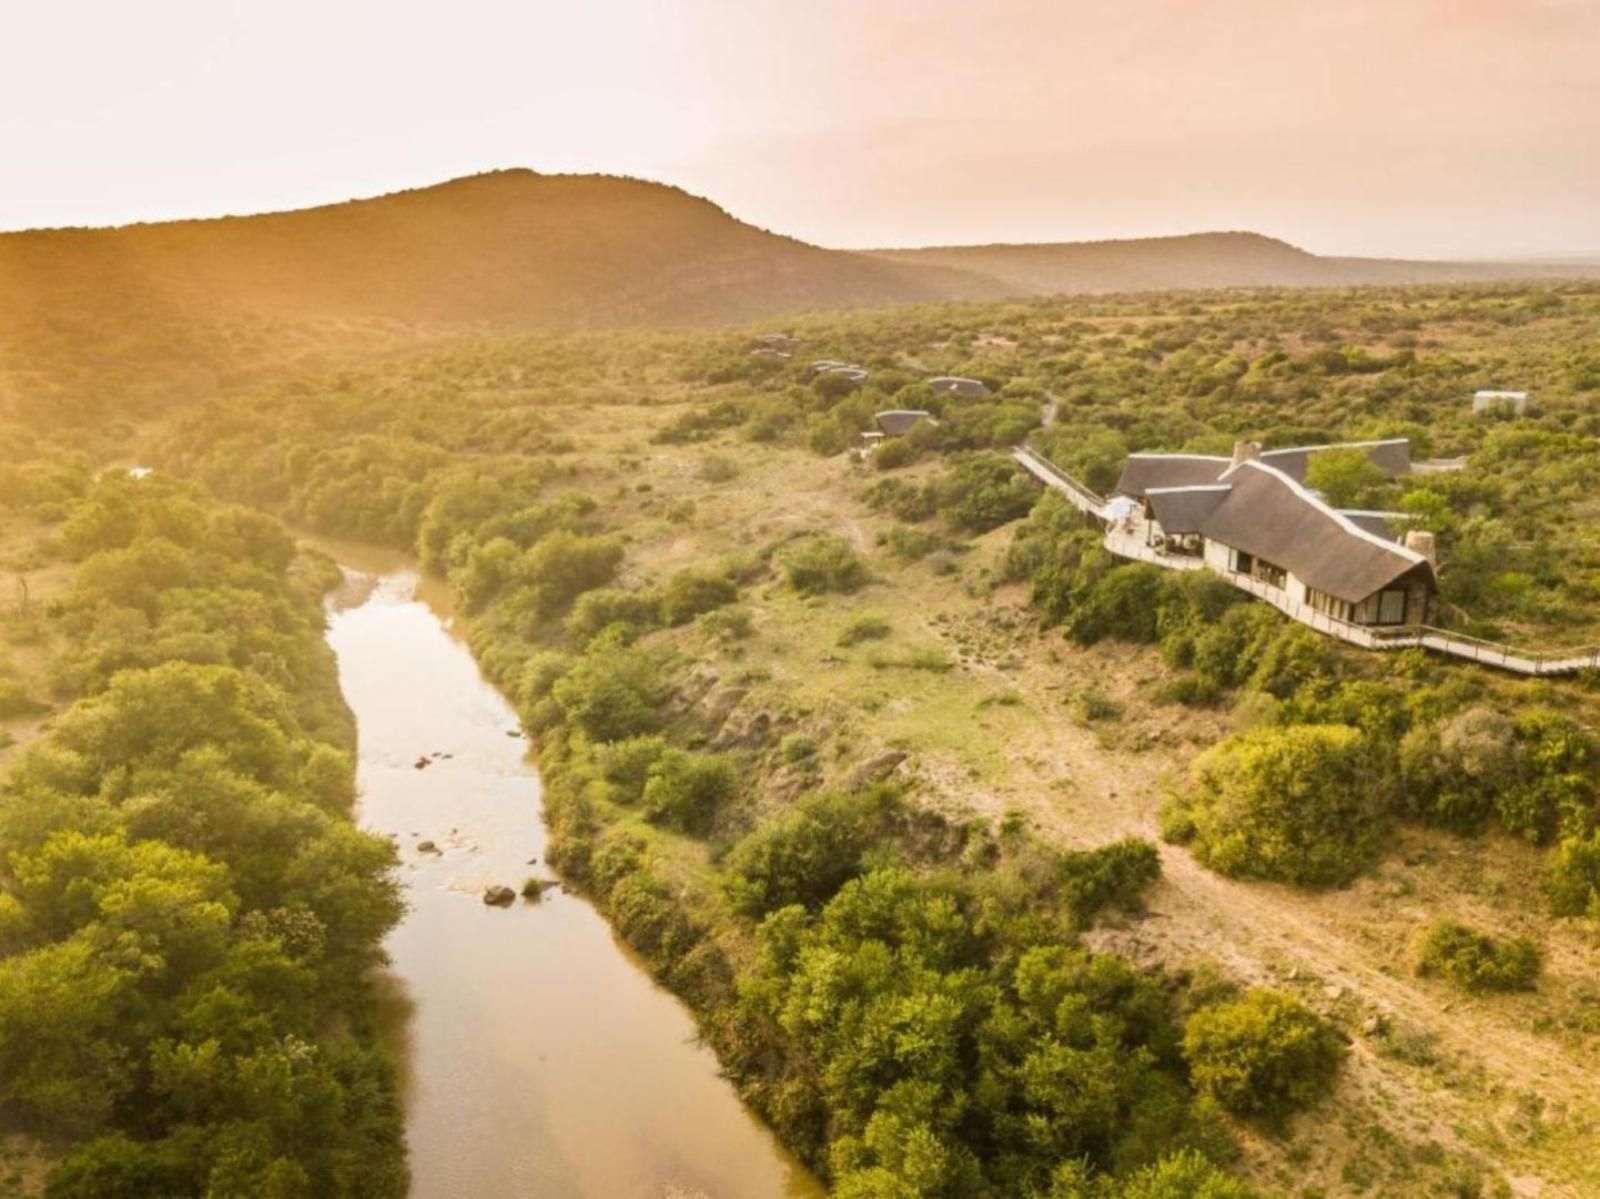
(499, 895)
(876, 768)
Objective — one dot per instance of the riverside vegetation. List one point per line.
(794, 719)
(187, 914)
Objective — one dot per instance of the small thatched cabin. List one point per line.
(967, 389)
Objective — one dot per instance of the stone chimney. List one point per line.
(1244, 451)
(1423, 543)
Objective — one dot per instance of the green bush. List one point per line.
(895, 453)
(1346, 478)
(868, 626)
(612, 694)
(909, 543)
(1109, 875)
(985, 491)
(1121, 603)
(684, 790)
(692, 592)
(1304, 804)
(805, 855)
(1572, 882)
(1263, 1055)
(1476, 961)
(822, 563)
(564, 565)
(626, 764)
(598, 610)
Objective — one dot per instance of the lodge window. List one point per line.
(1383, 607)
(1392, 607)
(1259, 568)
(1330, 605)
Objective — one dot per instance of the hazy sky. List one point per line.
(1462, 128)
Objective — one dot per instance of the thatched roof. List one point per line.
(1269, 515)
(898, 421)
(1393, 456)
(1143, 471)
(970, 388)
(1184, 509)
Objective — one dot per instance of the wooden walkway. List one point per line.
(1533, 663)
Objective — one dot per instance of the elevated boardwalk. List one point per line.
(1079, 496)
(1532, 663)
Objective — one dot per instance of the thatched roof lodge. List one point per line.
(1252, 516)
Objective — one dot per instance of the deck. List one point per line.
(1133, 546)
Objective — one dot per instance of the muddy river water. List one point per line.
(541, 1059)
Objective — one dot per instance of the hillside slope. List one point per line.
(1199, 260)
(511, 248)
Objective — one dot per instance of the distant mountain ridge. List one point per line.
(1201, 260)
(520, 250)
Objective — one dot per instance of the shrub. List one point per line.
(1091, 704)
(905, 501)
(1263, 1055)
(1114, 874)
(1121, 603)
(626, 764)
(1476, 961)
(691, 592)
(822, 563)
(1346, 478)
(984, 491)
(1305, 804)
(612, 694)
(728, 624)
(1553, 790)
(1187, 1174)
(718, 468)
(564, 565)
(868, 626)
(910, 544)
(808, 853)
(603, 607)
(797, 749)
(1454, 771)
(896, 453)
(1290, 660)
(1572, 882)
(683, 790)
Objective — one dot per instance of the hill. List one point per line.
(1199, 260)
(510, 248)
(171, 308)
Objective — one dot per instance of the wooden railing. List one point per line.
(1387, 637)
(1378, 637)
(1079, 496)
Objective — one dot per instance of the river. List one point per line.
(541, 1059)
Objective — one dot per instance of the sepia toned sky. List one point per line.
(1426, 128)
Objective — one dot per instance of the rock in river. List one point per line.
(499, 896)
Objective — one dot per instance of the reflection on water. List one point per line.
(543, 1060)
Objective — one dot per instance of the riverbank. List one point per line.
(542, 1058)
